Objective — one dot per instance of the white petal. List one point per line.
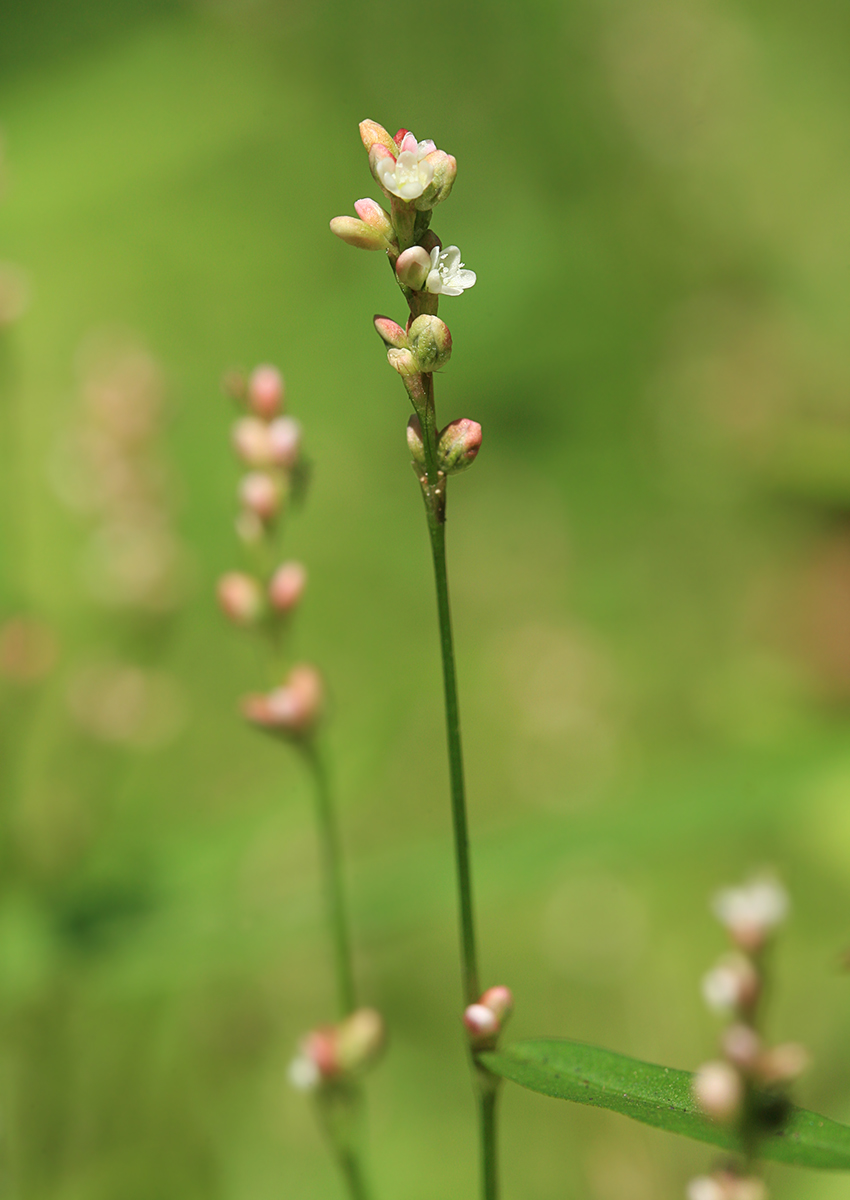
(385, 170)
(435, 256)
(451, 289)
(465, 278)
(409, 190)
(426, 147)
(434, 282)
(450, 258)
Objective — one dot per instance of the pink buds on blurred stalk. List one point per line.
(251, 441)
(240, 598)
(293, 708)
(287, 586)
(752, 912)
(265, 391)
(458, 445)
(335, 1051)
(485, 1020)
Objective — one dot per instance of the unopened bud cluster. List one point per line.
(744, 1087)
(333, 1053)
(267, 443)
(414, 177)
(485, 1019)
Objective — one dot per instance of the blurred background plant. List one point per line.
(651, 575)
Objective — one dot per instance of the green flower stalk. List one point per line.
(414, 177)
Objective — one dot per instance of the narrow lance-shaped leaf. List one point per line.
(659, 1096)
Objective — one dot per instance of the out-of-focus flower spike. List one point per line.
(373, 134)
(251, 441)
(261, 495)
(391, 333)
(284, 436)
(499, 1000)
(718, 1090)
(360, 1039)
(293, 709)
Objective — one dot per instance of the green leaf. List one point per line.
(659, 1096)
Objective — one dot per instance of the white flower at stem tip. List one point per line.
(448, 276)
(408, 175)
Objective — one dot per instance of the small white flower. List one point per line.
(447, 276)
(303, 1073)
(408, 175)
(759, 905)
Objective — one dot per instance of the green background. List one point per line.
(650, 570)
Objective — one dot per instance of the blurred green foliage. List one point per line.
(651, 574)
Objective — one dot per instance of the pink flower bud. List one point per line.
(293, 708)
(377, 218)
(286, 586)
(412, 267)
(500, 1001)
(265, 391)
(430, 342)
(355, 232)
(482, 1024)
(391, 333)
(284, 441)
(718, 1090)
(414, 440)
(240, 598)
(250, 437)
(371, 133)
(260, 494)
(457, 445)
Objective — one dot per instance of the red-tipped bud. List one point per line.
(391, 333)
(287, 586)
(265, 391)
(371, 134)
(377, 218)
(482, 1025)
(250, 437)
(260, 494)
(414, 441)
(355, 232)
(293, 708)
(458, 445)
(499, 1000)
(284, 441)
(412, 267)
(445, 170)
(718, 1090)
(399, 137)
(430, 342)
(240, 598)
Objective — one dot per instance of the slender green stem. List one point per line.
(487, 1102)
(331, 859)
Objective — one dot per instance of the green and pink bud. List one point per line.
(391, 333)
(373, 134)
(444, 168)
(332, 1052)
(458, 445)
(412, 267)
(430, 342)
(240, 598)
(357, 233)
(485, 1020)
(415, 444)
(377, 218)
(292, 709)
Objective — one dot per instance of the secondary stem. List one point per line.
(487, 1101)
(331, 860)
